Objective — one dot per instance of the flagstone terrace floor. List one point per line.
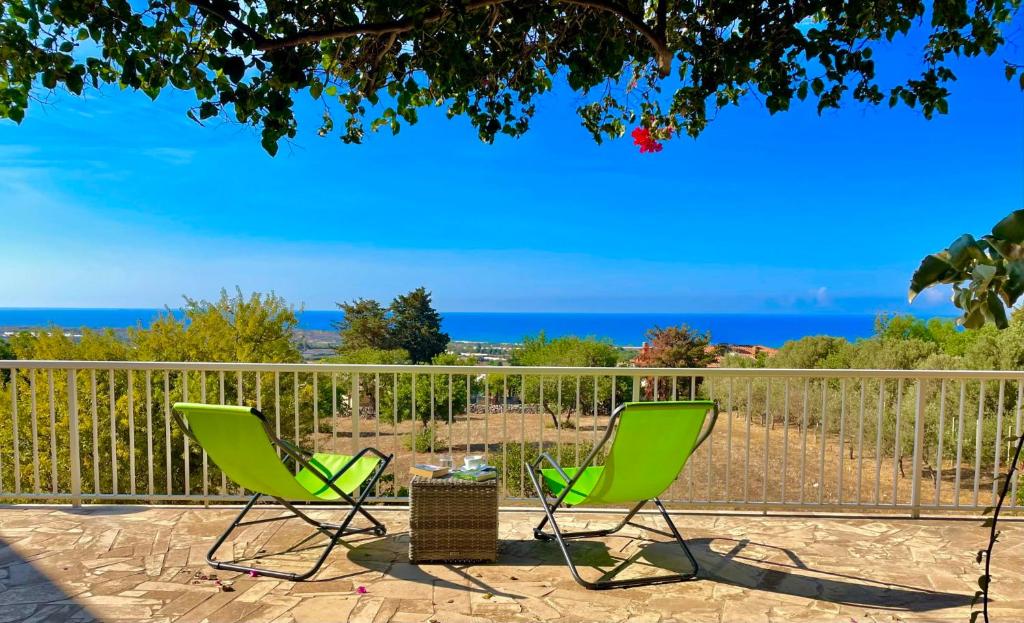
(122, 563)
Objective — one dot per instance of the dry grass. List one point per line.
(743, 464)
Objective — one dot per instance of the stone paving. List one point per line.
(141, 564)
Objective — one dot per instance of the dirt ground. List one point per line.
(741, 465)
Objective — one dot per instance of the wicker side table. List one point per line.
(453, 520)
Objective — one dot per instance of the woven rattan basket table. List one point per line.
(453, 520)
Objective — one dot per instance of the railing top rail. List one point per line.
(24, 364)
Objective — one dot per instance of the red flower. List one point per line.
(647, 143)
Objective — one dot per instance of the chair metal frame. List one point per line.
(561, 537)
(333, 531)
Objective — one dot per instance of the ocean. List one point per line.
(623, 329)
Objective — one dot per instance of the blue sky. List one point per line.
(114, 201)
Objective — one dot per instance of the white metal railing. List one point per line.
(811, 440)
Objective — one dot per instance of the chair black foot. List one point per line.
(380, 531)
(541, 536)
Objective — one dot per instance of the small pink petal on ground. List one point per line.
(361, 590)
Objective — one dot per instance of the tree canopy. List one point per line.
(677, 347)
(666, 66)
(410, 325)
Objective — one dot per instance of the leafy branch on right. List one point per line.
(987, 276)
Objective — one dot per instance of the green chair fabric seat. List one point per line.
(240, 441)
(652, 443)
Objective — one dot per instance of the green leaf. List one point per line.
(963, 250)
(979, 557)
(975, 316)
(74, 83)
(269, 144)
(934, 269)
(997, 312)
(1011, 228)
(234, 67)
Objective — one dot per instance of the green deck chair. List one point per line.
(653, 441)
(243, 444)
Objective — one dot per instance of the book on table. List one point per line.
(428, 471)
(477, 474)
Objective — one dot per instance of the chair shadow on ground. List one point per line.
(788, 577)
(27, 593)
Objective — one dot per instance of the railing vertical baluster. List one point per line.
(504, 436)
(558, 419)
(94, 412)
(803, 440)
(728, 445)
(185, 451)
(978, 433)
(334, 411)
(578, 412)
(167, 430)
(13, 384)
(113, 430)
(842, 440)
(747, 440)
(710, 443)
(522, 435)
(960, 442)
(999, 441)
(941, 438)
(918, 455)
(860, 441)
(613, 396)
(540, 418)
(396, 419)
(277, 407)
(785, 439)
(223, 397)
(451, 412)
(675, 387)
(878, 442)
(295, 414)
(206, 463)
(36, 484)
(316, 414)
(376, 417)
(824, 432)
(355, 399)
(74, 447)
(131, 432)
(469, 418)
(487, 414)
(897, 444)
(433, 402)
(415, 416)
(1017, 431)
(53, 432)
(149, 432)
(767, 439)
